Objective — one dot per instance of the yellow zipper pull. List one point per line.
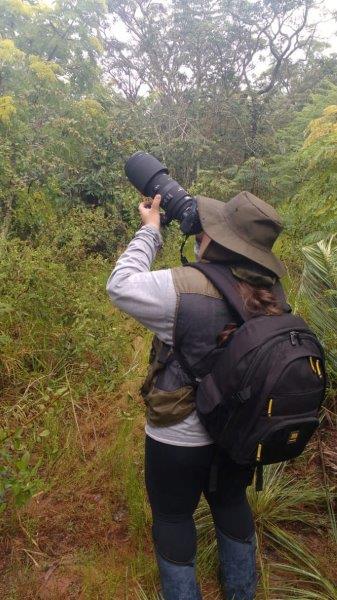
(270, 406)
(259, 452)
(318, 367)
(312, 364)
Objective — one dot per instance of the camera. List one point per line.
(151, 177)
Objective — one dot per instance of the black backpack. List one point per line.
(261, 399)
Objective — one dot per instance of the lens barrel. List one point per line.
(151, 177)
(141, 168)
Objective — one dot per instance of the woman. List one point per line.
(191, 319)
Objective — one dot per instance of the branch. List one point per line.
(293, 44)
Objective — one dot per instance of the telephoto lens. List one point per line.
(151, 177)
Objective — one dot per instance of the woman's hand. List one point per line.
(149, 211)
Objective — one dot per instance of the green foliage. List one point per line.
(318, 295)
(312, 212)
(284, 500)
(75, 102)
(303, 571)
(89, 231)
(57, 344)
(19, 478)
(58, 121)
(32, 215)
(52, 336)
(7, 109)
(214, 185)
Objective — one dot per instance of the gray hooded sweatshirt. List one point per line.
(150, 297)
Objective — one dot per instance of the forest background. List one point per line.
(232, 95)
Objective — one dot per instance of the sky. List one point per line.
(327, 27)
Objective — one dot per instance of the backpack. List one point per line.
(261, 399)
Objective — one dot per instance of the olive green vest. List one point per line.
(201, 315)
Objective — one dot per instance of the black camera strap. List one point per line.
(183, 258)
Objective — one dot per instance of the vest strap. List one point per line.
(222, 278)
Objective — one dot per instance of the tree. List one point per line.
(202, 65)
(58, 123)
(67, 33)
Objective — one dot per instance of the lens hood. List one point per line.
(141, 168)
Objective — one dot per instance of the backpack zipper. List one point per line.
(265, 349)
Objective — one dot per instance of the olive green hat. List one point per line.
(246, 225)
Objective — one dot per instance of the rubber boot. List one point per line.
(178, 582)
(237, 571)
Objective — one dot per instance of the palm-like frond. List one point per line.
(284, 499)
(318, 294)
(309, 581)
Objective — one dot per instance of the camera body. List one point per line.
(151, 177)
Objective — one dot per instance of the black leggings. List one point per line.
(176, 476)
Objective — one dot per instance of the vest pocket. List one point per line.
(169, 408)
(165, 407)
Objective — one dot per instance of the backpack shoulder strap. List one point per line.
(223, 279)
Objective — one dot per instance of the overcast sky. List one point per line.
(328, 25)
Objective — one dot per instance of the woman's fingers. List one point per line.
(156, 202)
(149, 211)
(149, 204)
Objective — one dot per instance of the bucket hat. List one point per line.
(246, 225)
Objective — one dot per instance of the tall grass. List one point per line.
(285, 500)
(308, 581)
(143, 595)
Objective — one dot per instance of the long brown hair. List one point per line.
(257, 301)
